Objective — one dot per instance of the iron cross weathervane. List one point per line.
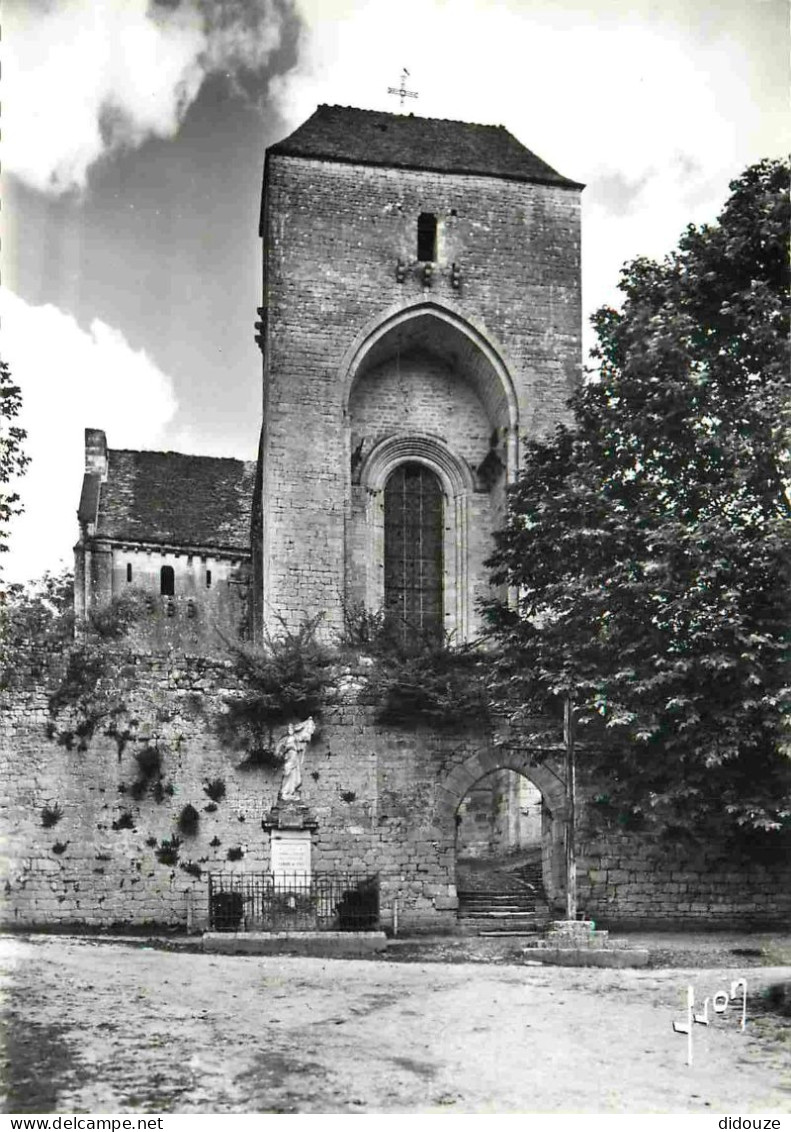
(401, 91)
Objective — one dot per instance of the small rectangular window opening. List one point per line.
(427, 237)
(167, 582)
(208, 579)
(129, 571)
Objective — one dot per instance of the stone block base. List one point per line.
(587, 957)
(328, 944)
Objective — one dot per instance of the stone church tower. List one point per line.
(420, 318)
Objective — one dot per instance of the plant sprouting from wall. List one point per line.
(189, 820)
(214, 789)
(364, 630)
(285, 679)
(149, 772)
(414, 678)
(423, 682)
(168, 851)
(51, 815)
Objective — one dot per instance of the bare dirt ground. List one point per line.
(95, 1026)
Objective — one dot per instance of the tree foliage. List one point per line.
(92, 671)
(13, 460)
(648, 540)
(40, 613)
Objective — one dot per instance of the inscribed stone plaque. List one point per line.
(290, 852)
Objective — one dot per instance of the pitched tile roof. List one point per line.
(373, 137)
(171, 498)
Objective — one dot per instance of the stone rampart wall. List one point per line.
(384, 800)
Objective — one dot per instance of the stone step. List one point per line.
(502, 905)
(526, 924)
(527, 933)
(555, 941)
(500, 883)
(502, 890)
(526, 905)
(521, 894)
(503, 902)
(502, 914)
(500, 909)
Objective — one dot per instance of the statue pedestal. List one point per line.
(289, 815)
(290, 827)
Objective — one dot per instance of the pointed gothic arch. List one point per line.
(452, 380)
(452, 334)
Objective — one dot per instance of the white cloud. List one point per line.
(81, 77)
(71, 378)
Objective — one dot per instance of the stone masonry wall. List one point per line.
(383, 798)
(624, 881)
(333, 236)
(370, 790)
(416, 392)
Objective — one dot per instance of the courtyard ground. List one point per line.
(96, 1026)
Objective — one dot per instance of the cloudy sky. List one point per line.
(133, 141)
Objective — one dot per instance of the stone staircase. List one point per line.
(501, 897)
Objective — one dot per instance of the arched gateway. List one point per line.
(546, 776)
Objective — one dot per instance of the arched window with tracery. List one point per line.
(413, 537)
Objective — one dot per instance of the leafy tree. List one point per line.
(648, 540)
(93, 670)
(13, 461)
(39, 613)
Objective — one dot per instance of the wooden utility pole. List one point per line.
(571, 816)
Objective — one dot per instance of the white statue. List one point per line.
(290, 750)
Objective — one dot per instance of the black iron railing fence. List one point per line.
(272, 902)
